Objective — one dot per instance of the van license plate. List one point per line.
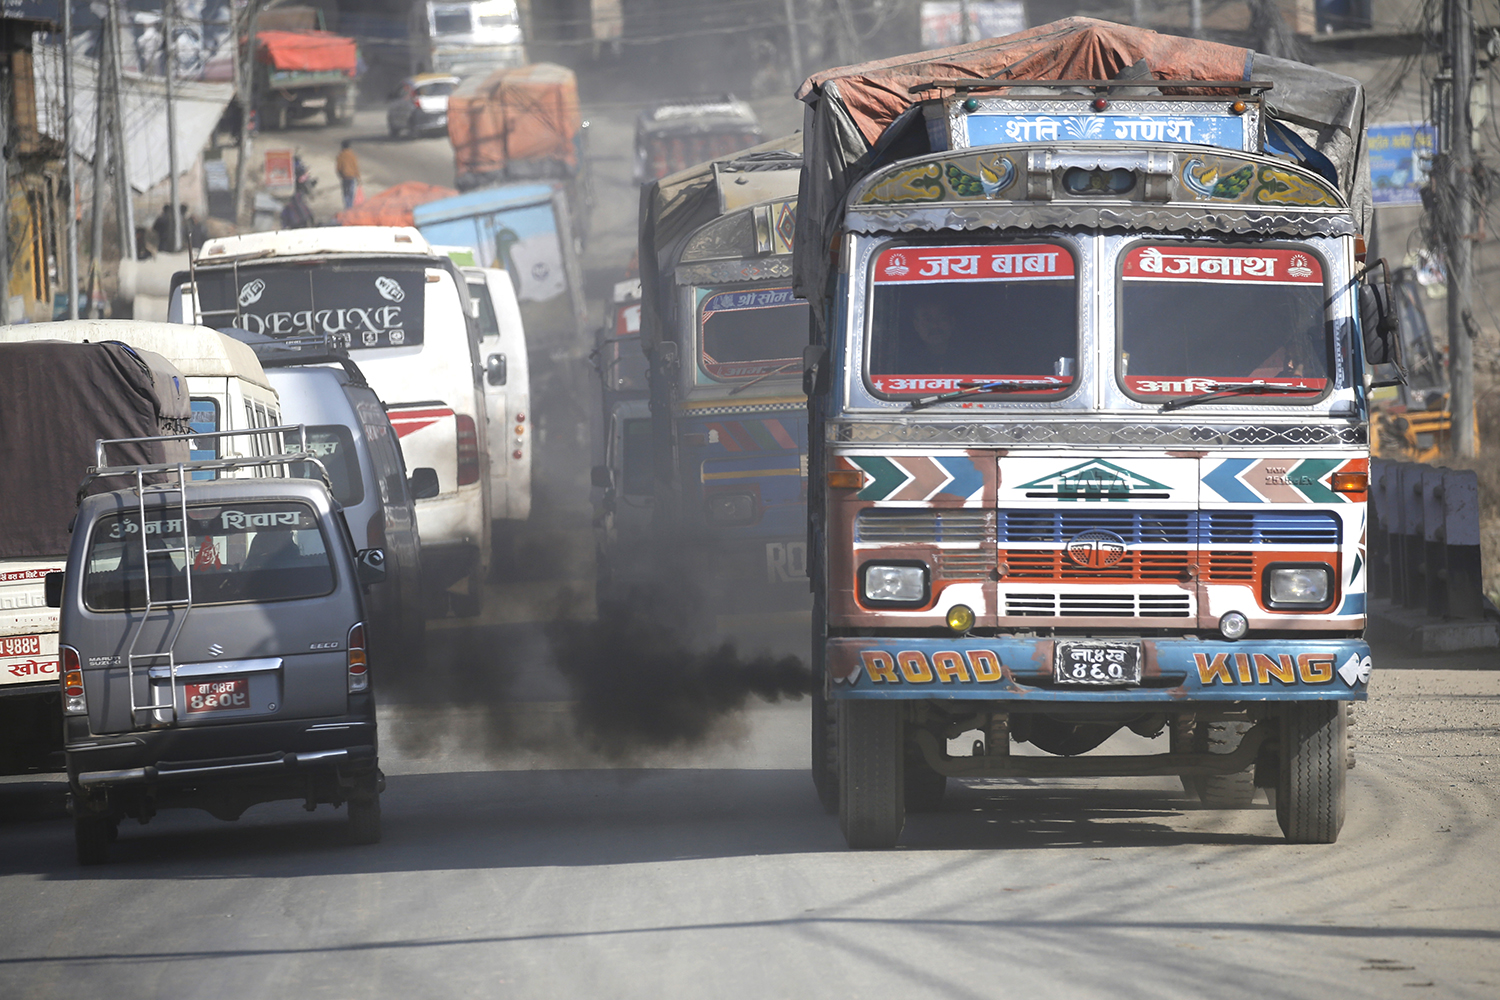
(1106, 664)
(20, 645)
(218, 696)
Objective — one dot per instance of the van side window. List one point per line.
(489, 325)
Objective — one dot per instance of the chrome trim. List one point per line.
(259, 665)
(315, 756)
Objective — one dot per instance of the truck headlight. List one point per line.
(730, 508)
(1298, 586)
(899, 583)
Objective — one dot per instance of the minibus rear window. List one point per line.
(365, 304)
(236, 553)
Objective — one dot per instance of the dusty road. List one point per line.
(714, 872)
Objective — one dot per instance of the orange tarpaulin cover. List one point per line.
(1075, 48)
(392, 207)
(524, 113)
(308, 51)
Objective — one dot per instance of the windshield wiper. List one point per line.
(764, 375)
(1218, 390)
(974, 388)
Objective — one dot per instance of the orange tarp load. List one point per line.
(392, 207)
(307, 51)
(517, 123)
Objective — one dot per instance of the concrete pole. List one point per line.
(124, 196)
(794, 44)
(246, 93)
(1138, 12)
(965, 29)
(1461, 234)
(71, 199)
(101, 173)
(166, 44)
(1195, 18)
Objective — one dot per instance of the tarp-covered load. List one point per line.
(521, 123)
(850, 108)
(307, 51)
(675, 207)
(393, 206)
(56, 400)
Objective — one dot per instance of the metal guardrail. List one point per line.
(1423, 539)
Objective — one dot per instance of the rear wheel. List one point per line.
(1311, 779)
(1223, 791)
(872, 806)
(92, 836)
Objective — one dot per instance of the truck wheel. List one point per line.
(872, 794)
(1311, 777)
(825, 762)
(924, 788)
(91, 835)
(1223, 791)
(364, 813)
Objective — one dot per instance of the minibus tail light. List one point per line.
(359, 666)
(468, 451)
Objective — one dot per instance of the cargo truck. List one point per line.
(1092, 342)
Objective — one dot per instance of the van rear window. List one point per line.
(372, 304)
(334, 446)
(255, 551)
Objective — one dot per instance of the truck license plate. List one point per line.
(1105, 664)
(20, 645)
(218, 696)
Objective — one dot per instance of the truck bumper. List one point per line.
(1174, 671)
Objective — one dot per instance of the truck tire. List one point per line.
(1311, 777)
(1223, 791)
(872, 769)
(91, 837)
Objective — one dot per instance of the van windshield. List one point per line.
(948, 318)
(1193, 316)
(365, 304)
(252, 551)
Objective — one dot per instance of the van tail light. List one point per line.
(359, 664)
(74, 702)
(375, 530)
(468, 451)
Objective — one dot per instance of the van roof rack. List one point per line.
(294, 352)
(137, 472)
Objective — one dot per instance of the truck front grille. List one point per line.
(921, 526)
(1102, 604)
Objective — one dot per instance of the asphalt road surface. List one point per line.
(518, 862)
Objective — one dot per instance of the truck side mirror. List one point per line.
(600, 477)
(52, 584)
(813, 360)
(423, 483)
(495, 369)
(369, 566)
(1380, 326)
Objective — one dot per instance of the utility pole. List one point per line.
(965, 29)
(166, 47)
(1460, 236)
(245, 61)
(794, 44)
(70, 202)
(101, 172)
(124, 196)
(1195, 18)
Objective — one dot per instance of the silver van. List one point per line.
(213, 650)
(348, 429)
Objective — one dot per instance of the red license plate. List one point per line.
(20, 645)
(218, 696)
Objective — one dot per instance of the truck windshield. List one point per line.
(947, 318)
(1193, 317)
(371, 303)
(251, 551)
(751, 332)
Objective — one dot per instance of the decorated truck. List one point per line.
(1092, 340)
(304, 73)
(724, 333)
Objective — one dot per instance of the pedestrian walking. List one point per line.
(347, 166)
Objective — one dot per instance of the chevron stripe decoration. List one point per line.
(917, 478)
(1276, 480)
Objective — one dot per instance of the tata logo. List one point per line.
(1096, 480)
(1096, 549)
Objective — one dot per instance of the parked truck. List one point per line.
(1092, 343)
(56, 400)
(301, 74)
(724, 335)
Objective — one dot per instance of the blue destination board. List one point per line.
(1227, 131)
